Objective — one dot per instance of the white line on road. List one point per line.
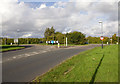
(28, 54)
(14, 57)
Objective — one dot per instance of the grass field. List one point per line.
(96, 65)
(9, 47)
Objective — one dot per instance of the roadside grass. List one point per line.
(95, 65)
(9, 47)
(108, 70)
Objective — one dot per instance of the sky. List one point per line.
(30, 18)
(43, 0)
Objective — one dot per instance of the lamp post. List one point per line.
(66, 32)
(101, 23)
(66, 39)
(18, 30)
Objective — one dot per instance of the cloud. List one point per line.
(78, 16)
(26, 35)
(43, 6)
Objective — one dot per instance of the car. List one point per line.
(86, 43)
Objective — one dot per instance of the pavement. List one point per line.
(26, 64)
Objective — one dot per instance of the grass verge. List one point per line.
(96, 65)
(9, 47)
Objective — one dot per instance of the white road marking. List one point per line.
(44, 51)
(35, 52)
(14, 57)
(28, 54)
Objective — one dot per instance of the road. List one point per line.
(24, 65)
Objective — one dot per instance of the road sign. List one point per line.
(52, 41)
(56, 41)
(101, 38)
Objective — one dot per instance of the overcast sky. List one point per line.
(28, 18)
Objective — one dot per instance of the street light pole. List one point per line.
(101, 23)
(66, 41)
(18, 37)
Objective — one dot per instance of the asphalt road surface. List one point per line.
(24, 65)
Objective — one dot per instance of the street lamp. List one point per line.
(18, 30)
(101, 23)
(65, 38)
(66, 31)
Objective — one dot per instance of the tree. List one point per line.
(60, 38)
(114, 38)
(52, 31)
(58, 33)
(94, 40)
(106, 39)
(73, 37)
(77, 37)
(47, 32)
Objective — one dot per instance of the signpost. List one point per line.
(56, 41)
(102, 38)
(52, 41)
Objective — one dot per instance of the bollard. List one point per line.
(58, 45)
(10, 43)
(107, 43)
